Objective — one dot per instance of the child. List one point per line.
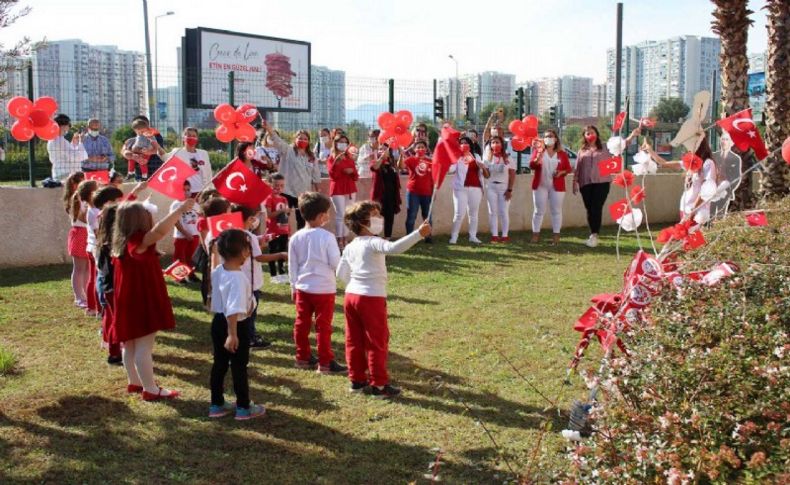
(78, 242)
(116, 179)
(69, 187)
(104, 279)
(185, 234)
(92, 225)
(364, 270)
(277, 226)
(313, 256)
(138, 278)
(232, 304)
(210, 206)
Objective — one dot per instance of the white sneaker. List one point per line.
(474, 240)
(592, 241)
(284, 279)
(276, 280)
(453, 239)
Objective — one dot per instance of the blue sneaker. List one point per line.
(254, 411)
(215, 411)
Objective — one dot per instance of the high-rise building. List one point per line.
(653, 70)
(452, 91)
(168, 109)
(599, 100)
(91, 81)
(489, 87)
(757, 84)
(547, 92)
(573, 93)
(327, 103)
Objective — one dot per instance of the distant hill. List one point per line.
(368, 113)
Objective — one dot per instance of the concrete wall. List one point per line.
(34, 226)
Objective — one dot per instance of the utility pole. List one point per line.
(149, 74)
(618, 69)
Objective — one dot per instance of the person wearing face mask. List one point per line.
(469, 173)
(66, 157)
(385, 188)
(550, 165)
(343, 178)
(322, 150)
(367, 153)
(499, 188)
(245, 152)
(196, 158)
(266, 151)
(419, 188)
(298, 165)
(97, 146)
(420, 135)
(587, 179)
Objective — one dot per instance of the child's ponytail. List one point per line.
(69, 187)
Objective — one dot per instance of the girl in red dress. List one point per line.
(142, 306)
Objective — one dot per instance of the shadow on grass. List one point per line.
(33, 275)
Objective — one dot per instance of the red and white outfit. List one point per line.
(363, 268)
(420, 180)
(313, 256)
(276, 225)
(467, 194)
(91, 297)
(548, 189)
(500, 169)
(185, 245)
(78, 236)
(692, 189)
(200, 162)
(342, 188)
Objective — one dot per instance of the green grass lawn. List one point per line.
(65, 416)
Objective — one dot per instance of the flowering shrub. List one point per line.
(705, 395)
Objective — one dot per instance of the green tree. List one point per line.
(11, 57)
(572, 137)
(670, 110)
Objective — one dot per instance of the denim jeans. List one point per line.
(413, 203)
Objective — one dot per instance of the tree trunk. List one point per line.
(731, 22)
(776, 182)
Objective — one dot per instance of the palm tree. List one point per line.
(731, 22)
(776, 182)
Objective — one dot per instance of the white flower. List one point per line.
(631, 221)
(643, 164)
(616, 145)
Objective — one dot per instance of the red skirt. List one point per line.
(78, 241)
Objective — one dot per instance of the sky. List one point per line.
(401, 39)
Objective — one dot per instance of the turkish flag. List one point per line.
(446, 153)
(587, 321)
(610, 166)
(223, 222)
(240, 185)
(757, 219)
(647, 122)
(744, 133)
(178, 271)
(101, 176)
(618, 121)
(169, 178)
(619, 209)
(694, 240)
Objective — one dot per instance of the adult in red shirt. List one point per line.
(550, 165)
(343, 178)
(419, 188)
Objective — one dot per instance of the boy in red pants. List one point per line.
(364, 270)
(313, 256)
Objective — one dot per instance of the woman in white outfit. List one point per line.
(499, 187)
(469, 173)
(549, 165)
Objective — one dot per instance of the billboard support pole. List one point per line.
(391, 83)
(231, 101)
(31, 145)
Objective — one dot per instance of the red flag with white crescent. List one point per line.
(240, 185)
(610, 166)
(178, 271)
(618, 121)
(169, 178)
(446, 153)
(101, 176)
(223, 222)
(744, 132)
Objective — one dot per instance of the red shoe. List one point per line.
(504, 239)
(147, 396)
(495, 239)
(134, 389)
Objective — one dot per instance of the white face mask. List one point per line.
(342, 146)
(372, 140)
(93, 133)
(494, 133)
(324, 140)
(549, 142)
(376, 225)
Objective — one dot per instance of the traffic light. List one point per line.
(438, 108)
(468, 109)
(553, 116)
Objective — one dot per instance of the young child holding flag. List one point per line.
(277, 226)
(364, 270)
(185, 235)
(313, 256)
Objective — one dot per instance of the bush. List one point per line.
(705, 395)
(7, 362)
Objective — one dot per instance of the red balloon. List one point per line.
(49, 131)
(19, 106)
(531, 121)
(39, 118)
(518, 143)
(246, 113)
(47, 104)
(22, 131)
(388, 137)
(399, 129)
(225, 133)
(386, 120)
(404, 117)
(786, 150)
(245, 133)
(517, 127)
(224, 113)
(404, 139)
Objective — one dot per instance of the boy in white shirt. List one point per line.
(232, 303)
(313, 256)
(364, 270)
(185, 235)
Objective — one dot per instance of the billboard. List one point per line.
(756, 90)
(271, 73)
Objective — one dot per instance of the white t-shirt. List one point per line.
(257, 271)
(188, 220)
(313, 257)
(198, 160)
(548, 167)
(500, 169)
(92, 216)
(230, 293)
(693, 188)
(363, 266)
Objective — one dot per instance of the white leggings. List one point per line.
(80, 272)
(498, 208)
(540, 197)
(138, 361)
(466, 200)
(340, 202)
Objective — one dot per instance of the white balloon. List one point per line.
(631, 221)
(616, 145)
(639, 169)
(641, 157)
(708, 190)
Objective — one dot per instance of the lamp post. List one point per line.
(148, 61)
(156, 59)
(457, 104)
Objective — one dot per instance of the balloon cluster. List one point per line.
(395, 128)
(524, 131)
(235, 123)
(33, 118)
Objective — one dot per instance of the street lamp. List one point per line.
(457, 103)
(156, 59)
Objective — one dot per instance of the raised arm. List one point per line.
(403, 244)
(163, 227)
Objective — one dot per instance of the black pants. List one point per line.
(594, 197)
(236, 361)
(278, 245)
(388, 213)
(293, 203)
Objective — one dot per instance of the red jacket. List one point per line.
(341, 183)
(564, 166)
